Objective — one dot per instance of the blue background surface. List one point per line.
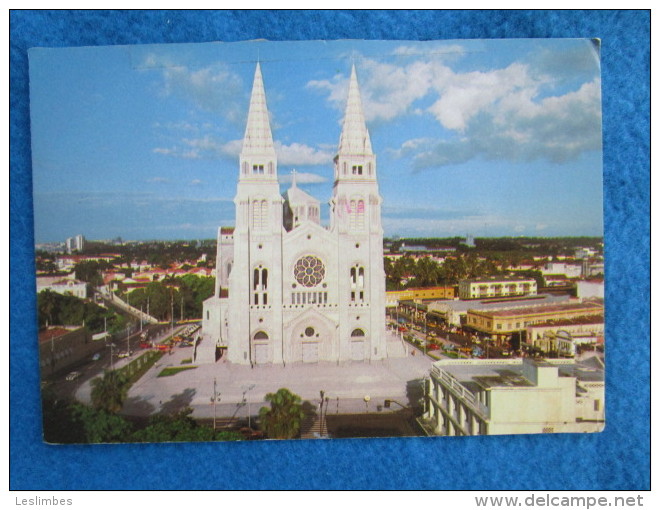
(618, 458)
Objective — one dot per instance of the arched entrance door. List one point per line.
(310, 345)
(357, 344)
(261, 352)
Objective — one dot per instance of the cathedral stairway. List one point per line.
(311, 427)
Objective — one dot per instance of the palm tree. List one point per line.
(109, 392)
(284, 418)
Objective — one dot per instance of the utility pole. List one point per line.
(172, 312)
(215, 400)
(182, 307)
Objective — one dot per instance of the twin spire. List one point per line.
(354, 139)
(258, 140)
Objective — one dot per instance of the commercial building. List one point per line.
(483, 288)
(394, 297)
(590, 325)
(454, 313)
(500, 324)
(522, 396)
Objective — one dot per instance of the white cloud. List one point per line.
(301, 154)
(213, 88)
(158, 180)
(495, 114)
(163, 150)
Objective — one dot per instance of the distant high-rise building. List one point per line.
(76, 243)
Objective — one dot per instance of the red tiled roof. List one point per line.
(52, 332)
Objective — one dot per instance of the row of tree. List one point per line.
(182, 296)
(525, 246)
(67, 310)
(158, 253)
(407, 272)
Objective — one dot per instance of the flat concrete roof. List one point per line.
(478, 374)
(462, 305)
(544, 308)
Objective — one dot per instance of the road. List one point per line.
(89, 368)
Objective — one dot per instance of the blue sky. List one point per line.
(487, 137)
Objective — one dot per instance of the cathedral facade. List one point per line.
(289, 290)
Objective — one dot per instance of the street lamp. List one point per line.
(322, 393)
(246, 401)
(215, 399)
(367, 398)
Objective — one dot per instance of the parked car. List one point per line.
(96, 356)
(124, 354)
(73, 376)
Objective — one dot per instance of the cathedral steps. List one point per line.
(311, 427)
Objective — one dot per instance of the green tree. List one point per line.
(101, 426)
(47, 306)
(284, 417)
(180, 427)
(109, 391)
(90, 271)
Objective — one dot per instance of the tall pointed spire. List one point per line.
(258, 140)
(354, 139)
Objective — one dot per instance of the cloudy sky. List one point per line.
(486, 137)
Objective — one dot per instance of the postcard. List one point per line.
(319, 240)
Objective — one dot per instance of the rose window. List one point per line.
(309, 271)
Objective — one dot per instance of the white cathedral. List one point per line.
(289, 290)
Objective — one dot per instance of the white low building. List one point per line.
(562, 268)
(484, 288)
(62, 285)
(523, 396)
(591, 289)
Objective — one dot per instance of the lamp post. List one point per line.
(322, 393)
(215, 399)
(367, 398)
(246, 389)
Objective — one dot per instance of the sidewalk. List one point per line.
(239, 387)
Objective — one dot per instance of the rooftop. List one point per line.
(541, 309)
(495, 279)
(54, 332)
(483, 374)
(588, 319)
(513, 303)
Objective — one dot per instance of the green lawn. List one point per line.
(166, 372)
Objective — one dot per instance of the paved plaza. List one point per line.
(241, 390)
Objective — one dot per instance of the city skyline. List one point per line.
(491, 138)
